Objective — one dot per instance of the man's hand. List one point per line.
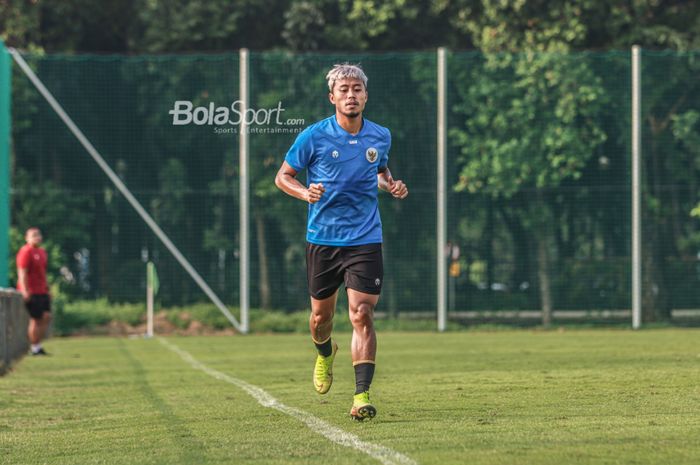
(22, 282)
(314, 192)
(397, 188)
(287, 182)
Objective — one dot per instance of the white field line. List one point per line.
(332, 433)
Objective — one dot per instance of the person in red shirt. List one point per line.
(31, 282)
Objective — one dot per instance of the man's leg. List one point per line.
(321, 326)
(323, 275)
(34, 330)
(44, 325)
(364, 339)
(39, 308)
(364, 350)
(321, 322)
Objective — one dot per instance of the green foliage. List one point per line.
(218, 25)
(87, 315)
(19, 23)
(530, 121)
(186, 25)
(62, 216)
(526, 25)
(303, 26)
(273, 322)
(138, 26)
(204, 313)
(169, 206)
(530, 118)
(539, 138)
(93, 316)
(686, 131)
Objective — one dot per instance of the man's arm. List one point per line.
(386, 183)
(287, 182)
(22, 279)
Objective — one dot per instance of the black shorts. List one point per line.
(38, 304)
(359, 266)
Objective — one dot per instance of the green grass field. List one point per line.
(504, 397)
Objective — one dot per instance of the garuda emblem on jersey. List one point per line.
(371, 154)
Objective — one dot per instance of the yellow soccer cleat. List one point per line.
(323, 371)
(362, 408)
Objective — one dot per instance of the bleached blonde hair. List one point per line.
(345, 71)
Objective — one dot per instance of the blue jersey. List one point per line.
(346, 165)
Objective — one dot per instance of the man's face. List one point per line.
(34, 237)
(349, 97)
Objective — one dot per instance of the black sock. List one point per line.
(325, 348)
(364, 372)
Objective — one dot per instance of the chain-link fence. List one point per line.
(538, 176)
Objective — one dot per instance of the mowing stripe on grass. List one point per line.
(191, 450)
(383, 454)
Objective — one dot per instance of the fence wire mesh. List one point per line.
(538, 176)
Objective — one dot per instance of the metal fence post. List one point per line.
(243, 191)
(636, 188)
(5, 137)
(441, 188)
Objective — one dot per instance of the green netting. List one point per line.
(185, 176)
(671, 144)
(539, 161)
(538, 170)
(401, 97)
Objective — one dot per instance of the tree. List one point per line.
(670, 128)
(62, 218)
(530, 119)
(542, 136)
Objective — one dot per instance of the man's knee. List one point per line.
(362, 314)
(320, 318)
(46, 318)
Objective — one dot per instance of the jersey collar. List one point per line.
(342, 131)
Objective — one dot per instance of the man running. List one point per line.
(346, 157)
(31, 282)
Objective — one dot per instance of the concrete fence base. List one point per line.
(14, 319)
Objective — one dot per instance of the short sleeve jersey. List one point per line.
(347, 165)
(34, 260)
